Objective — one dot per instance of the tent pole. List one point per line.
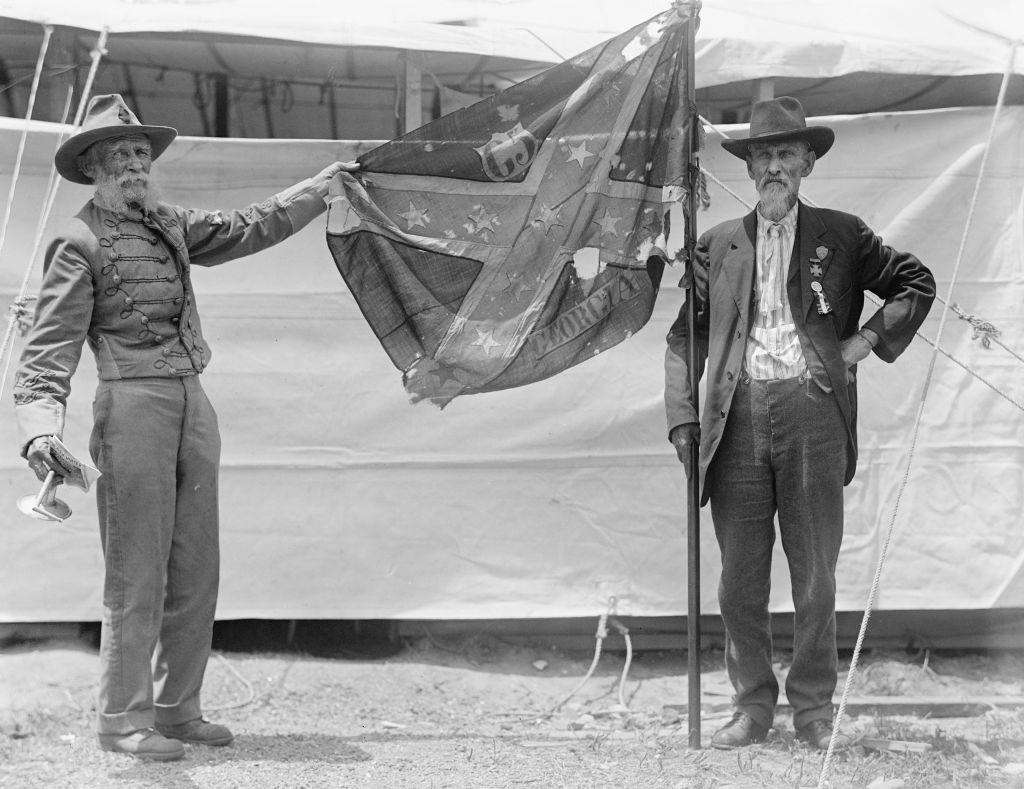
(129, 88)
(220, 105)
(5, 86)
(332, 104)
(764, 90)
(410, 95)
(693, 483)
(268, 115)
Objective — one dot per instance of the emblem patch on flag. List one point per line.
(507, 154)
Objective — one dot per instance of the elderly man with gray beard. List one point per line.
(118, 277)
(778, 296)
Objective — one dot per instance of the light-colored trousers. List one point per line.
(157, 443)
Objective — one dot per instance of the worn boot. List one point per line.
(198, 732)
(741, 730)
(143, 744)
(818, 733)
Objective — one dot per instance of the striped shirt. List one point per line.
(773, 348)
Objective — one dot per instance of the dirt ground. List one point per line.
(474, 711)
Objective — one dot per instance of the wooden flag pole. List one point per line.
(693, 486)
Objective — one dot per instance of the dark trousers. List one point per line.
(783, 451)
(157, 443)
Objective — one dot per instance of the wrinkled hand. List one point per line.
(39, 458)
(332, 170)
(854, 349)
(324, 177)
(683, 437)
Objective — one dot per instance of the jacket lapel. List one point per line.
(738, 264)
(811, 235)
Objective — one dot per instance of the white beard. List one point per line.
(120, 195)
(776, 200)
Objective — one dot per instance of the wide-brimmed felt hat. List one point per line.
(781, 119)
(107, 116)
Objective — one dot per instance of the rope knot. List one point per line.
(20, 314)
(983, 330)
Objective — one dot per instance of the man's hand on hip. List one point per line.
(857, 347)
(683, 437)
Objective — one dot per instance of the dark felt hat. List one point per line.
(107, 116)
(781, 119)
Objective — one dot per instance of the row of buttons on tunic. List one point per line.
(129, 302)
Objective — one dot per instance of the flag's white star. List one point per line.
(579, 153)
(508, 112)
(516, 286)
(608, 223)
(485, 340)
(547, 217)
(482, 220)
(415, 216)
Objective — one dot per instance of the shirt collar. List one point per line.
(788, 222)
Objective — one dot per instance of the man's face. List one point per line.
(777, 169)
(121, 172)
(127, 160)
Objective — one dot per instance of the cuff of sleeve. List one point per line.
(870, 335)
(884, 348)
(303, 203)
(678, 425)
(39, 418)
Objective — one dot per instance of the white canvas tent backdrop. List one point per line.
(598, 494)
(291, 70)
(340, 500)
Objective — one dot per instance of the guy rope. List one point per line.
(18, 309)
(18, 312)
(826, 764)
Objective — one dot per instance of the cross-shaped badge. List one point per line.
(815, 270)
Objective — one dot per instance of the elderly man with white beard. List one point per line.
(118, 277)
(778, 296)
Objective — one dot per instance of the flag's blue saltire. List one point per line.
(514, 238)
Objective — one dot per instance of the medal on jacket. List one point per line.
(816, 271)
(823, 306)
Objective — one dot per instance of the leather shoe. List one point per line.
(198, 732)
(741, 730)
(818, 734)
(144, 744)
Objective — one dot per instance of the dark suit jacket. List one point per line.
(853, 260)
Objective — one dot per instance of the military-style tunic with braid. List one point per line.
(122, 284)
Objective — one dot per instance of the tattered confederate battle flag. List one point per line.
(461, 240)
